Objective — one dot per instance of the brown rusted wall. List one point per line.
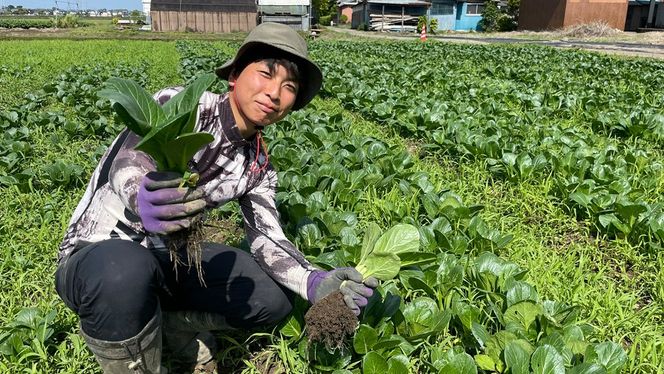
(218, 22)
(553, 14)
(613, 12)
(541, 14)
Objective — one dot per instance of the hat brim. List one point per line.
(311, 77)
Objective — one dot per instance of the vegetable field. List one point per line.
(533, 176)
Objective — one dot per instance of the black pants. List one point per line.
(115, 287)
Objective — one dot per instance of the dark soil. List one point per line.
(330, 321)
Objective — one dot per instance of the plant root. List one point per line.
(330, 321)
(191, 238)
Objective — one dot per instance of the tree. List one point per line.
(324, 8)
(500, 19)
(489, 22)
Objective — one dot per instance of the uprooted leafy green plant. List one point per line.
(168, 137)
(330, 321)
(168, 130)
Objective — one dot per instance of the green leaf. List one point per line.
(365, 338)
(389, 342)
(397, 364)
(546, 360)
(460, 363)
(374, 363)
(521, 291)
(400, 238)
(416, 258)
(467, 313)
(587, 368)
(26, 317)
(383, 266)
(523, 313)
(136, 103)
(310, 234)
(555, 339)
(371, 235)
(153, 143)
(480, 333)
(497, 343)
(485, 362)
(421, 314)
(580, 198)
(348, 237)
(183, 149)
(609, 354)
(187, 99)
(292, 328)
(517, 358)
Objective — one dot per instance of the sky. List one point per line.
(71, 4)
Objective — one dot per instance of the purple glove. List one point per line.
(163, 206)
(347, 280)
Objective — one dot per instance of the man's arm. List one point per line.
(269, 245)
(127, 170)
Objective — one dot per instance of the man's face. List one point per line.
(263, 97)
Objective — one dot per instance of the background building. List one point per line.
(203, 15)
(638, 12)
(294, 13)
(555, 14)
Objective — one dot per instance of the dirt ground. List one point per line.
(648, 44)
(598, 39)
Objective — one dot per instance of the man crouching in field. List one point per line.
(116, 265)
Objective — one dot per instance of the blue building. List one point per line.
(460, 15)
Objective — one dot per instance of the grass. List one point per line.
(27, 65)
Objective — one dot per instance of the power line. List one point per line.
(69, 4)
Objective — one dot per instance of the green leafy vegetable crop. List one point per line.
(168, 130)
(380, 255)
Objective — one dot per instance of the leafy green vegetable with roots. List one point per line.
(168, 130)
(379, 257)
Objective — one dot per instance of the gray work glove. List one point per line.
(347, 280)
(164, 206)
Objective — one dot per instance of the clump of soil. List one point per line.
(330, 321)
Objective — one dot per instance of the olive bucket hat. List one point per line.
(284, 39)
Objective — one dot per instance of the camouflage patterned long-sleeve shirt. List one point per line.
(108, 208)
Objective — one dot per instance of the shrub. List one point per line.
(433, 25)
(67, 22)
(325, 20)
(421, 21)
(506, 23)
(25, 23)
(343, 18)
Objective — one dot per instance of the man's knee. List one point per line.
(276, 307)
(119, 268)
(116, 270)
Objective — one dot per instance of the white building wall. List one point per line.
(146, 11)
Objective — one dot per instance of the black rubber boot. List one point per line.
(138, 354)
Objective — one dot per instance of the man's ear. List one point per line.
(232, 78)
